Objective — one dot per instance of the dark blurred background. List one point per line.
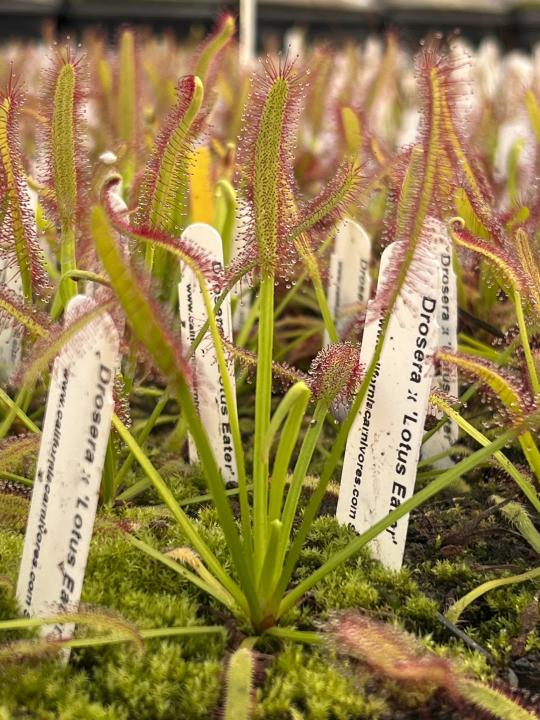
(516, 24)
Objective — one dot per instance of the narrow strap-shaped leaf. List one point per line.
(293, 407)
(456, 609)
(180, 516)
(442, 481)
(209, 584)
(152, 332)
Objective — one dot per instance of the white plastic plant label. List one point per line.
(207, 385)
(446, 377)
(68, 473)
(241, 292)
(10, 340)
(383, 446)
(349, 281)
(514, 135)
(409, 127)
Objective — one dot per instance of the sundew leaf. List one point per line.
(418, 187)
(113, 623)
(384, 78)
(413, 168)
(186, 556)
(210, 50)
(239, 691)
(65, 171)
(14, 450)
(15, 313)
(192, 256)
(63, 144)
(17, 222)
(466, 211)
(493, 700)
(399, 656)
(500, 258)
(482, 209)
(287, 375)
(165, 178)
(517, 515)
(514, 397)
(420, 179)
(317, 100)
(266, 160)
(105, 78)
(268, 171)
(459, 157)
(142, 312)
(47, 348)
(331, 203)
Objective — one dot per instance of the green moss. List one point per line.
(184, 678)
(306, 680)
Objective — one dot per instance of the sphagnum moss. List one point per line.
(187, 676)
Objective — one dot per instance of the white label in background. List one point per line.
(242, 290)
(446, 378)
(10, 339)
(511, 132)
(207, 387)
(408, 130)
(68, 474)
(243, 304)
(379, 467)
(349, 281)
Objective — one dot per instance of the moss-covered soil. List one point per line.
(455, 543)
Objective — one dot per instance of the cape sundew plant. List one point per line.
(114, 195)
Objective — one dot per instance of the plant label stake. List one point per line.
(68, 473)
(241, 292)
(349, 282)
(383, 446)
(208, 391)
(10, 340)
(446, 378)
(513, 157)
